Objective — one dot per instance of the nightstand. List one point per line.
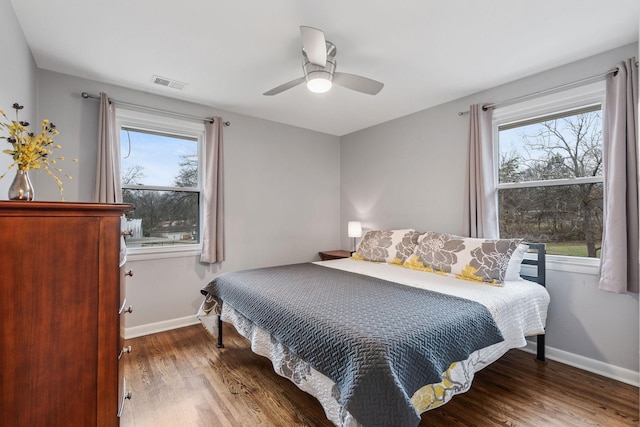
(327, 255)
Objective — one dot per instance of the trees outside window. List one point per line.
(550, 181)
(160, 177)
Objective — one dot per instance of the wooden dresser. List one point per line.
(61, 298)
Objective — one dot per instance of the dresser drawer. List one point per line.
(124, 273)
(123, 309)
(123, 352)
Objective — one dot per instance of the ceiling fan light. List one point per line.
(319, 85)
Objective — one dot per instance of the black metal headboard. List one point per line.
(539, 262)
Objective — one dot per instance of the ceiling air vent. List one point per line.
(163, 81)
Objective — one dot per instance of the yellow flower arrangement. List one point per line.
(30, 151)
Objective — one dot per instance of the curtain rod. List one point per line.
(86, 95)
(577, 83)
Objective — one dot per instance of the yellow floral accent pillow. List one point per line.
(356, 257)
(479, 260)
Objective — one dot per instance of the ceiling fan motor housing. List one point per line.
(315, 71)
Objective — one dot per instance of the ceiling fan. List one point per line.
(319, 66)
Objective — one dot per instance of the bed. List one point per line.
(397, 329)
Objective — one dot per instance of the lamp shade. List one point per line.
(354, 229)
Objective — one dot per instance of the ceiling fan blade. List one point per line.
(285, 86)
(357, 83)
(314, 45)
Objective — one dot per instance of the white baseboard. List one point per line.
(154, 328)
(590, 365)
(597, 367)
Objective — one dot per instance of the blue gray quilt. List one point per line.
(379, 341)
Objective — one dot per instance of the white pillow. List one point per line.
(513, 268)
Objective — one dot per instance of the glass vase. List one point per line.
(21, 188)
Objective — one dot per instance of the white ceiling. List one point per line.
(229, 52)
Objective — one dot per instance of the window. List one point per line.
(550, 177)
(161, 177)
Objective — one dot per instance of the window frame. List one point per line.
(538, 108)
(169, 125)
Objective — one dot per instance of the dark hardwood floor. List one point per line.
(179, 378)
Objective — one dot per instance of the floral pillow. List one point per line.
(481, 260)
(392, 246)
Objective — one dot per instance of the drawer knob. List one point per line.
(128, 395)
(129, 273)
(125, 350)
(128, 309)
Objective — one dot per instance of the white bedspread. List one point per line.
(519, 309)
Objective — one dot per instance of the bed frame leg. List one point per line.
(220, 345)
(540, 348)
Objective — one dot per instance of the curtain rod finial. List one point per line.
(212, 120)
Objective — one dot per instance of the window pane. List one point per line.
(568, 218)
(162, 218)
(159, 160)
(556, 147)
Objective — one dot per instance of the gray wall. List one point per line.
(282, 193)
(17, 79)
(410, 172)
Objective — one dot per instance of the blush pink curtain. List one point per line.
(108, 188)
(619, 261)
(480, 203)
(213, 219)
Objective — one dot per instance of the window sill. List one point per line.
(571, 264)
(144, 254)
